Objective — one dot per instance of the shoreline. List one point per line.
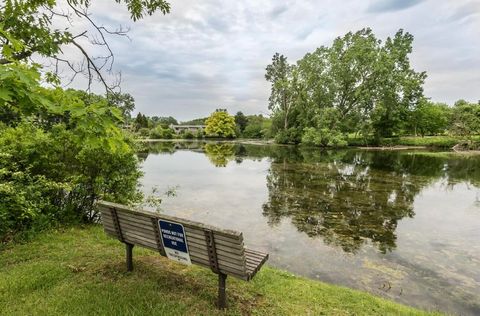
(261, 142)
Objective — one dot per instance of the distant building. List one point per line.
(187, 128)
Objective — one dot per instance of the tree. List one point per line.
(124, 101)
(43, 27)
(220, 124)
(241, 121)
(164, 121)
(279, 73)
(429, 118)
(361, 84)
(257, 126)
(465, 118)
(141, 121)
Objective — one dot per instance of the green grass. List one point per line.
(443, 141)
(80, 271)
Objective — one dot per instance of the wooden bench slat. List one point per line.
(255, 261)
(119, 207)
(146, 222)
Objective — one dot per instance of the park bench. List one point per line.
(220, 250)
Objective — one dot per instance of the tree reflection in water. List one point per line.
(220, 154)
(347, 197)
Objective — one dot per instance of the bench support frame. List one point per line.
(222, 293)
(129, 256)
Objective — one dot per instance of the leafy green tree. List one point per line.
(164, 121)
(241, 121)
(258, 126)
(141, 121)
(160, 132)
(124, 101)
(198, 121)
(466, 118)
(220, 124)
(323, 134)
(369, 85)
(429, 118)
(279, 74)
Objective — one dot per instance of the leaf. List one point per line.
(5, 94)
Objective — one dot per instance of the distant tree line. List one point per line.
(220, 124)
(359, 87)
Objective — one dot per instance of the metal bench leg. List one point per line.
(129, 248)
(222, 295)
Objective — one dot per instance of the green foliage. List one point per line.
(253, 131)
(164, 121)
(124, 101)
(279, 74)
(241, 121)
(141, 121)
(198, 121)
(160, 132)
(257, 127)
(188, 135)
(144, 132)
(289, 136)
(50, 144)
(199, 134)
(429, 118)
(323, 137)
(220, 124)
(466, 118)
(220, 154)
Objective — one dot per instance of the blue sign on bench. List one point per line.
(174, 241)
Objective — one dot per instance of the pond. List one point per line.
(400, 224)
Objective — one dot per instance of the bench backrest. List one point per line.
(221, 250)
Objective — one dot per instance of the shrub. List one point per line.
(253, 131)
(144, 132)
(160, 132)
(323, 137)
(188, 135)
(289, 136)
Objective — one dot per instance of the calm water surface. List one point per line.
(400, 224)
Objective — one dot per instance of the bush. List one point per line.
(188, 135)
(253, 131)
(47, 178)
(161, 133)
(289, 136)
(323, 137)
(144, 132)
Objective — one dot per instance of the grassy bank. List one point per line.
(80, 271)
(427, 141)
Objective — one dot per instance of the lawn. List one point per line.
(81, 271)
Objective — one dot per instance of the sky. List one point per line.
(212, 54)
